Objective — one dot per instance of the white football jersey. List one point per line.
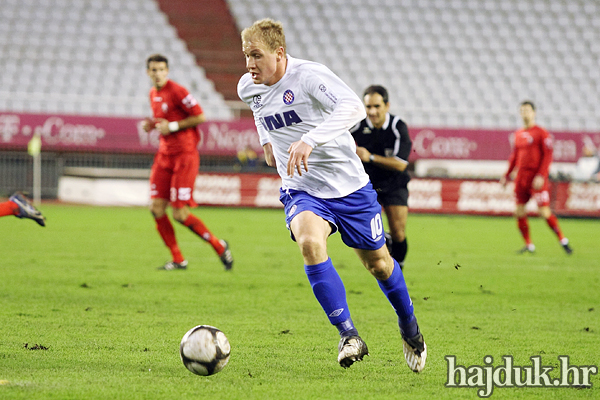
(310, 103)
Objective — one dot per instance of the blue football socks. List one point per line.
(331, 294)
(395, 290)
(346, 328)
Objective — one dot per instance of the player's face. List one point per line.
(158, 72)
(262, 63)
(527, 114)
(376, 109)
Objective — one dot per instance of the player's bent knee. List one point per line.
(379, 268)
(157, 211)
(520, 212)
(310, 247)
(180, 214)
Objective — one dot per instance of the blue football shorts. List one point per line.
(356, 216)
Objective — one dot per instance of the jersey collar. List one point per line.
(385, 124)
(168, 83)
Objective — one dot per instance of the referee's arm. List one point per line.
(392, 163)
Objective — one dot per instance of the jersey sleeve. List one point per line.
(354, 129)
(242, 87)
(342, 105)
(546, 152)
(186, 101)
(405, 142)
(263, 135)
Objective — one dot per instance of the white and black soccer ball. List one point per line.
(204, 350)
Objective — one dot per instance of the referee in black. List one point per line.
(383, 145)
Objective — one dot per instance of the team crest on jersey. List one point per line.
(366, 130)
(164, 107)
(256, 100)
(288, 97)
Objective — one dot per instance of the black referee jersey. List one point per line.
(391, 139)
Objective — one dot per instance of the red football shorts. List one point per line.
(524, 190)
(173, 176)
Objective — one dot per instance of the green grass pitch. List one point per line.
(101, 322)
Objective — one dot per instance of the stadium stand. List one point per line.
(455, 63)
(87, 57)
(458, 63)
(211, 35)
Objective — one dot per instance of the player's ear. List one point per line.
(280, 54)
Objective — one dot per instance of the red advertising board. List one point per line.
(110, 134)
(485, 197)
(444, 196)
(464, 144)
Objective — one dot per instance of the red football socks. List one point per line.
(165, 228)
(553, 224)
(197, 226)
(8, 208)
(524, 228)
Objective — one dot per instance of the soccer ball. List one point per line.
(204, 350)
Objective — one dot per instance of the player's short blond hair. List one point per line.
(266, 31)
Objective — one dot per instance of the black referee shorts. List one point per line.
(393, 197)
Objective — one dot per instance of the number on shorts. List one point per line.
(376, 226)
(543, 197)
(185, 194)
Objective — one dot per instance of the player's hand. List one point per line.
(269, 156)
(503, 181)
(148, 124)
(538, 182)
(299, 152)
(162, 125)
(363, 154)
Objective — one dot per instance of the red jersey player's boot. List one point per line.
(171, 265)
(26, 209)
(565, 244)
(226, 256)
(528, 248)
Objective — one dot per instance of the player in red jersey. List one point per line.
(176, 115)
(19, 206)
(532, 155)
